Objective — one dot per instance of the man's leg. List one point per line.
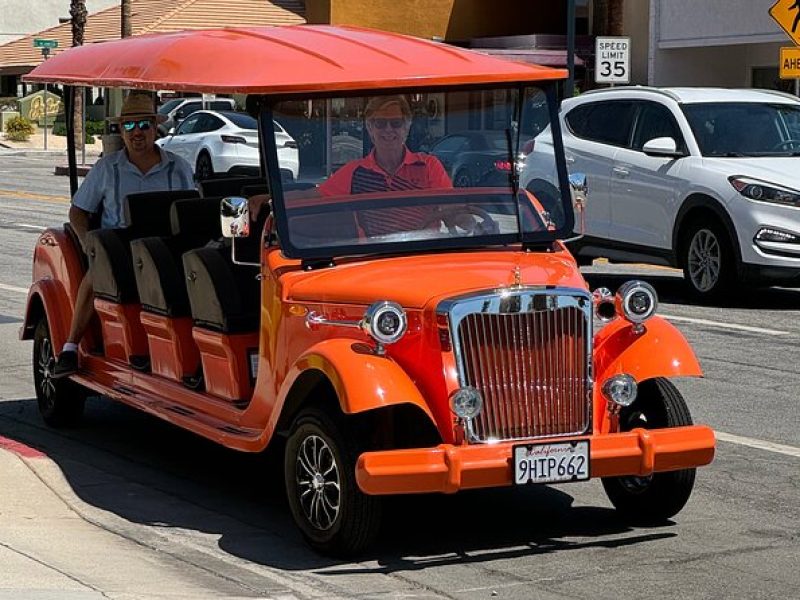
(67, 362)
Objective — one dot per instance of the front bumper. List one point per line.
(448, 469)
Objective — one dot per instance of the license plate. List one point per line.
(548, 463)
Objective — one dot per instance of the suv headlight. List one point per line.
(765, 192)
(385, 321)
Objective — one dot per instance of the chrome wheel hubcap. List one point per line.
(705, 260)
(44, 365)
(318, 482)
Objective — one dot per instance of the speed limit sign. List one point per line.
(612, 62)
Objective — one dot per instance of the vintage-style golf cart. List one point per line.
(400, 335)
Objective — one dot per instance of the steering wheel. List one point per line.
(468, 219)
(789, 144)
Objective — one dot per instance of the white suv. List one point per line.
(703, 179)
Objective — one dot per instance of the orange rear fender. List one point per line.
(47, 297)
(363, 381)
(660, 351)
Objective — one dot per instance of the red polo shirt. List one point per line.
(364, 175)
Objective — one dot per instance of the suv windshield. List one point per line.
(745, 128)
(165, 108)
(405, 172)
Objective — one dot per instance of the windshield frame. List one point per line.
(538, 239)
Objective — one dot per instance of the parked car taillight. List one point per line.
(233, 139)
(502, 165)
(527, 147)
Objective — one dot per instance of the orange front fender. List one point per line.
(363, 381)
(47, 296)
(659, 351)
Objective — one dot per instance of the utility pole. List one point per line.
(125, 21)
(569, 90)
(77, 10)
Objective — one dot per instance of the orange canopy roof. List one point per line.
(268, 60)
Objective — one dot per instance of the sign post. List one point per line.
(787, 14)
(612, 60)
(45, 46)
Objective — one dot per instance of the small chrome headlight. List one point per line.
(604, 307)
(385, 321)
(636, 301)
(620, 390)
(466, 402)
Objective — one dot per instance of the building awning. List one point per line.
(537, 56)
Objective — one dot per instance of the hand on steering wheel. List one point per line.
(461, 220)
(790, 144)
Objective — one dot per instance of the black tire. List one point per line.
(708, 259)
(350, 520)
(61, 401)
(657, 498)
(462, 180)
(204, 169)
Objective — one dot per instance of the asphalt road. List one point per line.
(209, 507)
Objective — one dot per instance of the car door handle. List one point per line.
(621, 171)
(569, 158)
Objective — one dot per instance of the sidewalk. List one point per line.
(53, 546)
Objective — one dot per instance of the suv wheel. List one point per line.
(708, 260)
(204, 169)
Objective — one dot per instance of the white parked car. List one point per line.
(226, 142)
(703, 179)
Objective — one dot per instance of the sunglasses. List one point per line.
(143, 125)
(380, 123)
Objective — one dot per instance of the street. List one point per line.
(205, 518)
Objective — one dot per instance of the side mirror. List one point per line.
(579, 190)
(663, 146)
(180, 114)
(171, 131)
(235, 217)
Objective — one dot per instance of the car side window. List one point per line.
(189, 125)
(220, 105)
(656, 121)
(452, 144)
(607, 122)
(208, 123)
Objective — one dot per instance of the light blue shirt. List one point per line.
(113, 177)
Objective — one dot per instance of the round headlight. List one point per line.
(385, 321)
(466, 402)
(636, 301)
(620, 389)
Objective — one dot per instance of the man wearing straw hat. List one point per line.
(140, 166)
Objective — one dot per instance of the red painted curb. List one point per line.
(19, 448)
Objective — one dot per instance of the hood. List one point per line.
(413, 281)
(783, 170)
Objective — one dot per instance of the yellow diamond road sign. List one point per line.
(787, 14)
(790, 63)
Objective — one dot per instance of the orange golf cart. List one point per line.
(396, 333)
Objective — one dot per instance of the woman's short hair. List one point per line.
(377, 102)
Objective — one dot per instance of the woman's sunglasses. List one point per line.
(143, 125)
(381, 123)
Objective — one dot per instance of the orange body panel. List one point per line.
(123, 334)
(448, 468)
(173, 352)
(225, 360)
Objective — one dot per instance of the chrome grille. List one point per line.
(528, 352)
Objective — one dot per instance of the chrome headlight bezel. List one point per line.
(466, 402)
(629, 295)
(620, 391)
(373, 322)
(764, 191)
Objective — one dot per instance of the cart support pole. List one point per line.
(69, 103)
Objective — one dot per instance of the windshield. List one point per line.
(403, 172)
(165, 108)
(745, 128)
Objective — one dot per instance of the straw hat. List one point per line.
(138, 106)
